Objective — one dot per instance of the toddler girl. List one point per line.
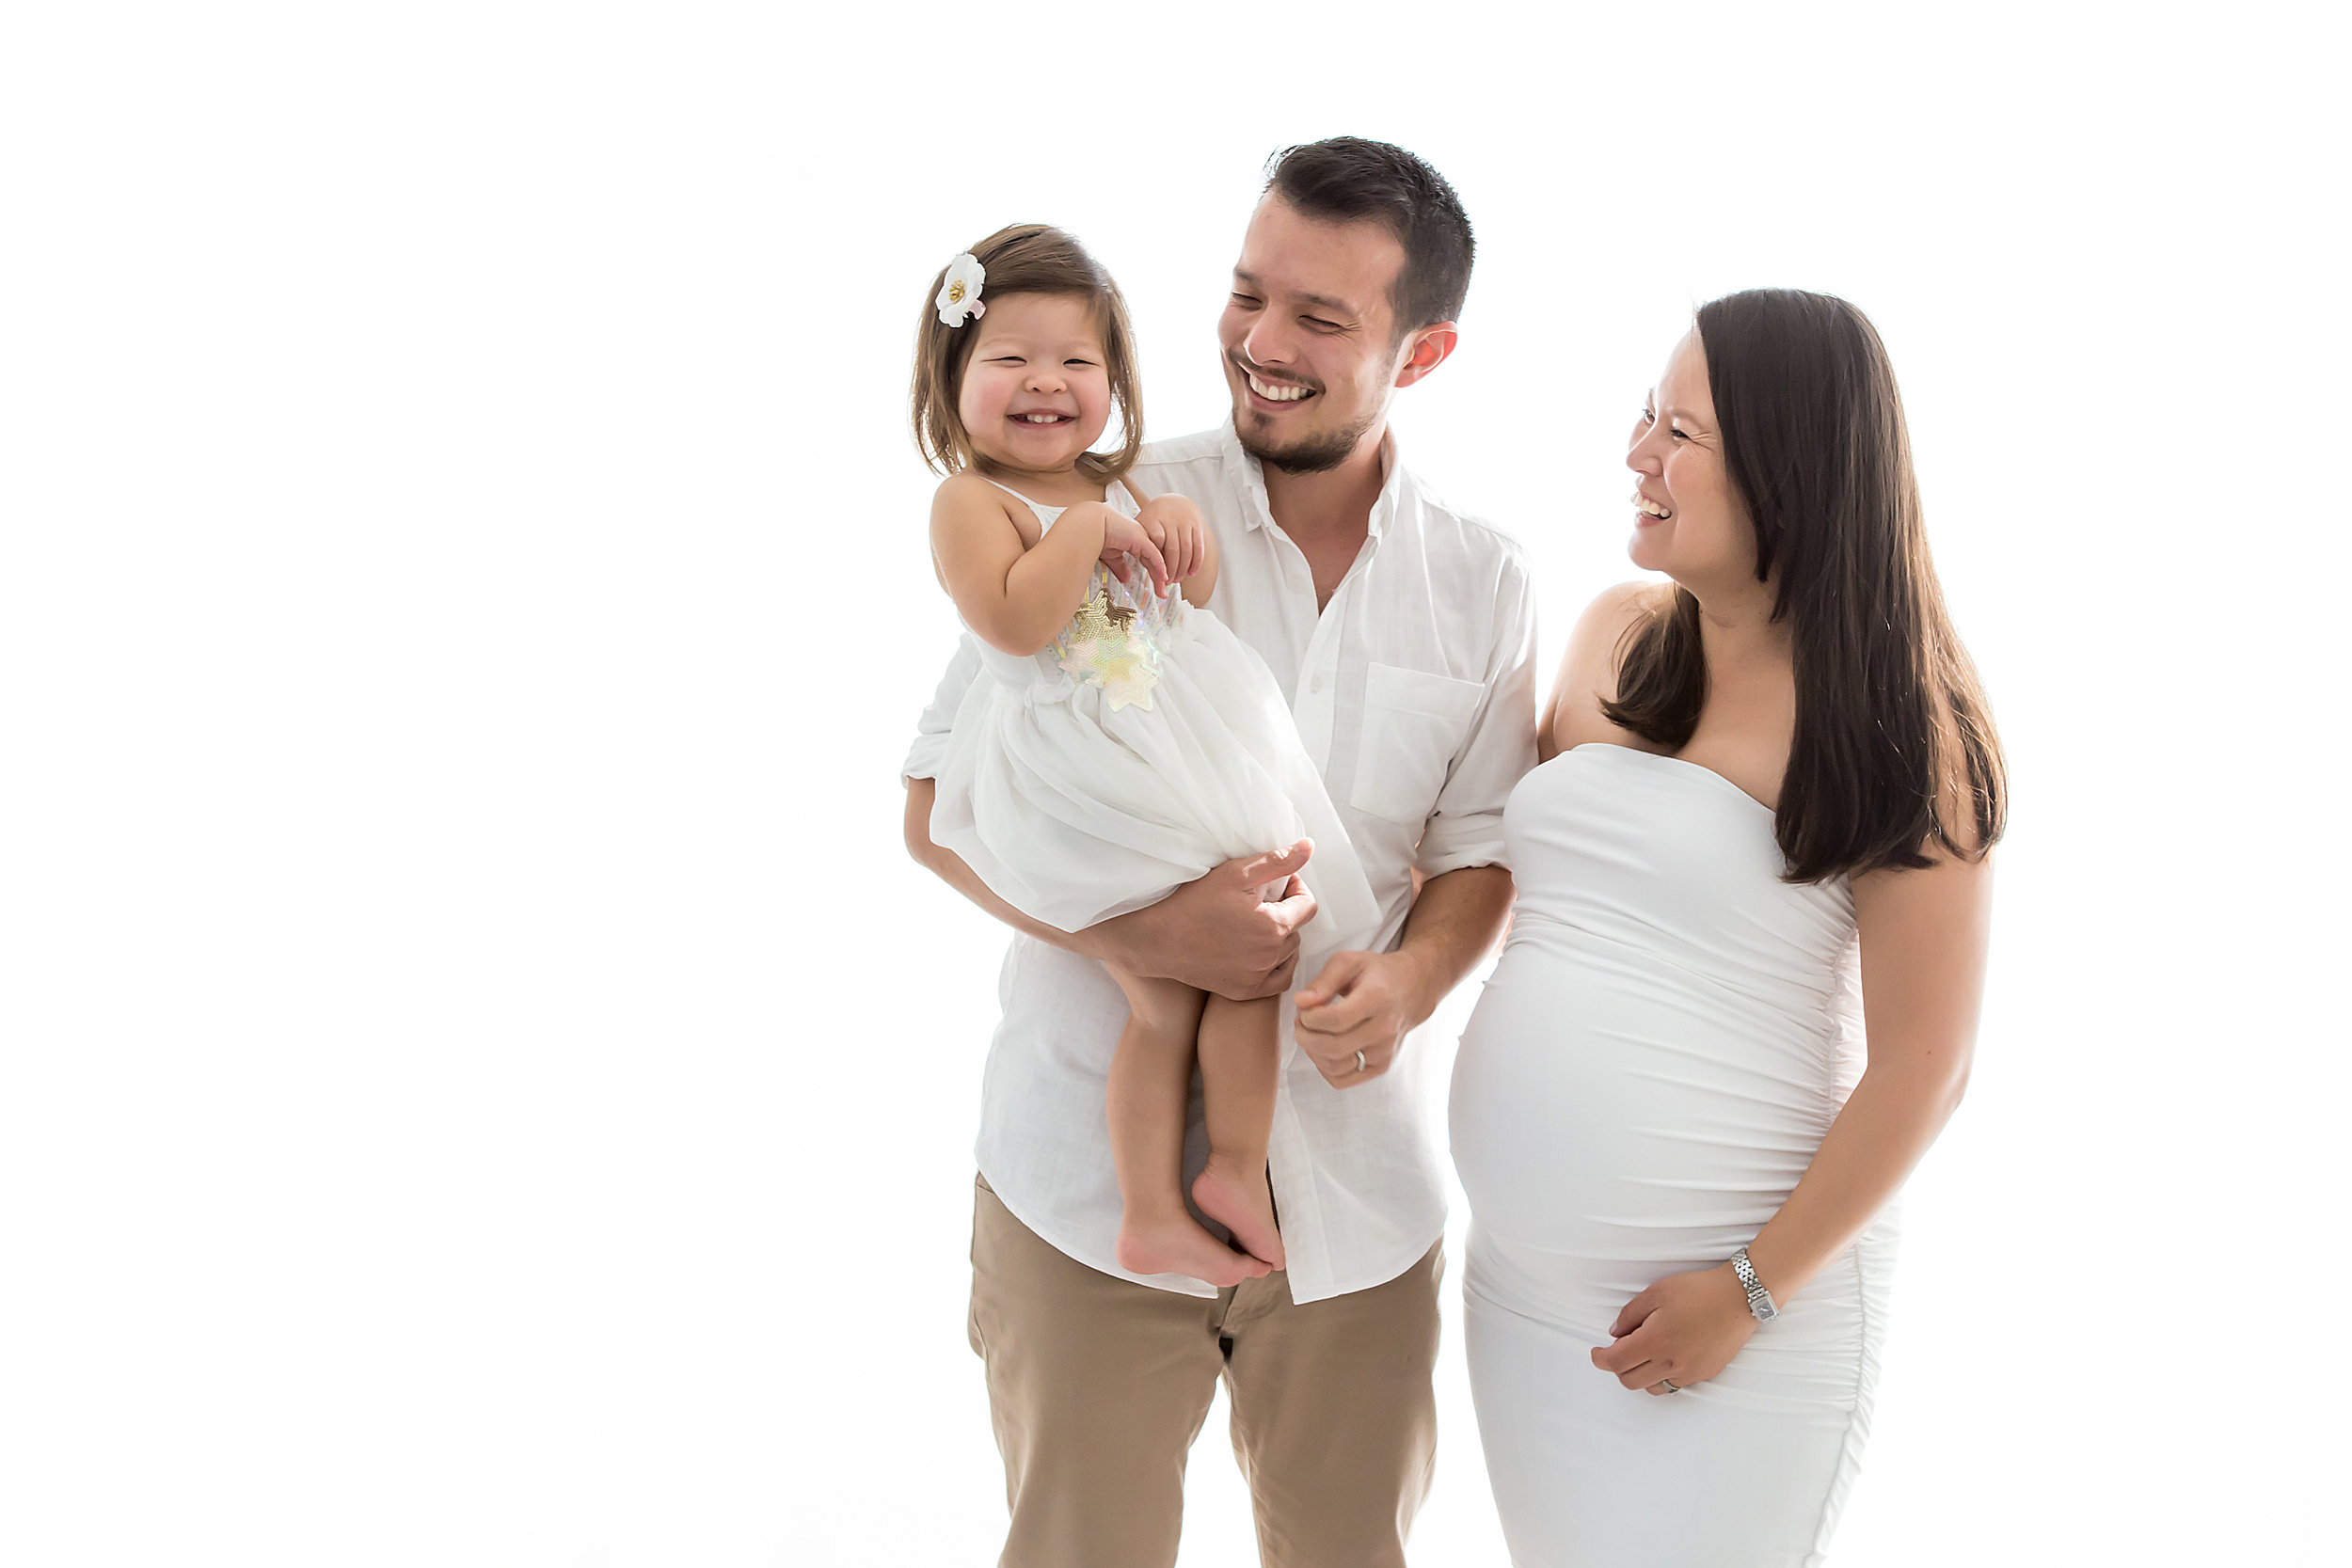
(1122, 741)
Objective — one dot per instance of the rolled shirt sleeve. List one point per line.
(1465, 827)
(939, 719)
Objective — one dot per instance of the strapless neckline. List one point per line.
(1678, 762)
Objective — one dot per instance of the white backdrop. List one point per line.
(482, 1083)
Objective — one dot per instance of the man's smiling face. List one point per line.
(1309, 335)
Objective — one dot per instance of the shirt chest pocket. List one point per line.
(1413, 724)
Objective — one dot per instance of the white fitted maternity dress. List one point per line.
(1667, 1036)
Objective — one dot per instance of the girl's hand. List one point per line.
(1176, 525)
(1123, 537)
(1684, 1329)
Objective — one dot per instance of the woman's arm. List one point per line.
(1923, 936)
(1013, 596)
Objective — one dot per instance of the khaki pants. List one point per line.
(1097, 1388)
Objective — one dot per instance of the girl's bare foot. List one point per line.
(1240, 1201)
(1179, 1245)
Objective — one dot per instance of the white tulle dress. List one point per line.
(1145, 746)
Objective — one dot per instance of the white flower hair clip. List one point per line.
(959, 296)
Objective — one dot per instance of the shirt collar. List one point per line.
(1251, 474)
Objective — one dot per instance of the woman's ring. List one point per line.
(1670, 1385)
(1359, 1062)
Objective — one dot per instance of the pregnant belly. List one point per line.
(1613, 1108)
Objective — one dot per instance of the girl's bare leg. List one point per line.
(1150, 1081)
(1240, 1057)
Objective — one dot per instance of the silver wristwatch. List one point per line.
(1759, 1299)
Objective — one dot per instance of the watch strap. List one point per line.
(1759, 1299)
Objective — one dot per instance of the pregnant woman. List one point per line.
(1768, 794)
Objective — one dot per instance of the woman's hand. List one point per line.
(1683, 1330)
(1174, 524)
(1124, 537)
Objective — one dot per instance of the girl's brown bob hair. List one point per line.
(1891, 719)
(1026, 259)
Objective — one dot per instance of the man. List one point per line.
(1404, 635)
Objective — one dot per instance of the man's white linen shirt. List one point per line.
(1414, 692)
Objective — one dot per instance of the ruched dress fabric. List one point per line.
(1077, 799)
(1668, 1035)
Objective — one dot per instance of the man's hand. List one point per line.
(1215, 933)
(1367, 1003)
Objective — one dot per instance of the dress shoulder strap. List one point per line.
(1045, 514)
(1115, 492)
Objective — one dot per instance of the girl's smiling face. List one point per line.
(1037, 390)
(1688, 520)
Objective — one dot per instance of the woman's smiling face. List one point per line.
(1689, 521)
(1037, 390)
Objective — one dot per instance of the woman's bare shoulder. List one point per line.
(1963, 837)
(1957, 876)
(1588, 667)
(1614, 609)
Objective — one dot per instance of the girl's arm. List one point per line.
(1012, 595)
(1174, 523)
(1923, 935)
(1214, 933)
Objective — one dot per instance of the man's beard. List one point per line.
(1311, 454)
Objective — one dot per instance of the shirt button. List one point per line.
(1315, 685)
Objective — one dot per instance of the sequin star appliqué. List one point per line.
(1097, 649)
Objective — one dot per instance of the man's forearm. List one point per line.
(1454, 922)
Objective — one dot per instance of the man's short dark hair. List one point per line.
(1348, 179)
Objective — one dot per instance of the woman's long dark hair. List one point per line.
(1815, 445)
